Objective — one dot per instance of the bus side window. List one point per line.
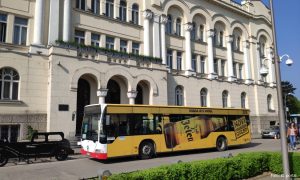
(230, 123)
(123, 126)
(158, 124)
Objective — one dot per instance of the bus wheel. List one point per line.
(146, 150)
(221, 144)
(3, 158)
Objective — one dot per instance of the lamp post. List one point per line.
(285, 158)
(285, 107)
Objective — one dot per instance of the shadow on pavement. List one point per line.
(180, 153)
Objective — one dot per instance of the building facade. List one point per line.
(159, 52)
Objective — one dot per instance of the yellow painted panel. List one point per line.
(122, 146)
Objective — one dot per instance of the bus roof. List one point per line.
(164, 106)
(165, 109)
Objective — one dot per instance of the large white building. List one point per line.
(178, 52)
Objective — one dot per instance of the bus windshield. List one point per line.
(90, 127)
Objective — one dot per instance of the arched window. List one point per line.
(110, 8)
(169, 24)
(243, 100)
(225, 98)
(9, 84)
(215, 40)
(238, 43)
(178, 27)
(193, 32)
(135, 14)
(203, 97)
(179, 96)
(269, 102)
(123, 10)
(221, 36)
(201, 33)
(262, 49)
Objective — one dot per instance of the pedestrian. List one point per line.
(292, 133)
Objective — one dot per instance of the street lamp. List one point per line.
(286, 109)
(289, 61)
(285, 158)
(264, 71)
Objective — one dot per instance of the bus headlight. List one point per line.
(99, 151)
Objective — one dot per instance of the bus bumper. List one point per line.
(94, 154)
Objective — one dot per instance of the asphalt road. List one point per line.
(78, 167)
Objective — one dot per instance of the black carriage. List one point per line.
(46, 144)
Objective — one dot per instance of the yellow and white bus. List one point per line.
(115, 130)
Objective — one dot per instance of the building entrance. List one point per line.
(83, 99)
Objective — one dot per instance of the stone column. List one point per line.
(231, 77)
(188, 50)
(147, 17)
(156, 37)
(67, 20)
(101, 93)
(270, 66)
(210, 54)
(38, 22)
(53, 22)
(248, 78)
(132, 95)
(259, 64)
(163, 21)
(10, 28)
(102, 7)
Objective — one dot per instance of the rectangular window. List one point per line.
(20, 31)
(216, 66)
(95, 41)
(109, 8)
(79, 37)
(3, 24)
(122, 12)
(80, 4)
(10, 132)
(241, 71)
(222, 68)
(95, 6)
(202, 60)
(194, 62)
(179, 61)
(110, 42)
(170, 58)
(234, 69)
(123, 46)
(135, 48)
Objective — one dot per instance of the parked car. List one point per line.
(47, 144)
(272, 132)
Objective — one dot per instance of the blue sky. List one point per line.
(287, 19)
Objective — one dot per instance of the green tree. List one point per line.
(291, 101)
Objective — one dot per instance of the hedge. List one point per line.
(244, 165)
